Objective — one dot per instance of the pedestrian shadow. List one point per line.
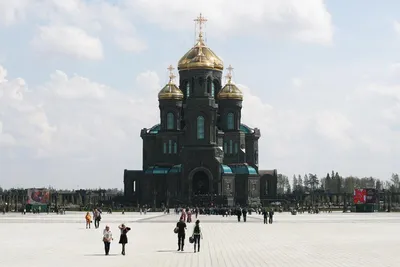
(103, 255)
(171, 251)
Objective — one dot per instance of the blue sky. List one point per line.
(319, 78)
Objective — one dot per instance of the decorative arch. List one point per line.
(204, 170)
(200, 127)
(170, 121)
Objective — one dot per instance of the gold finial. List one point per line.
(200, 20)
(171, 73)
(229, 75)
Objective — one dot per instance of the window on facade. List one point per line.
(134, 187)
(170, 121)
(229, 121)
(165, 148)
(200, 127)
(256, 157)
(225, 148)
(230, 146)
(236, 148)
(212, 89)
(169, 146)
(187, 89)
(175, 148)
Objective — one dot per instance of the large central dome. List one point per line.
(200, 56)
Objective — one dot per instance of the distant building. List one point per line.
(200, 151)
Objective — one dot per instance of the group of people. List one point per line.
(108, 237)
(96, 217)
(197, 234)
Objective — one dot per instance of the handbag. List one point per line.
(176, 230)
(191, 240)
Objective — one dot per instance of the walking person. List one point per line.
(181, 228)
(265, 215)
(107, 238)
(244, 213)
(197, 234)
(123, 239)
(88, 219)
(271, 216)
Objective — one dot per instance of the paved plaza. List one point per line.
(327, 240)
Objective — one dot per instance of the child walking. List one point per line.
(123, 240)
(88, 219)
(197, 234)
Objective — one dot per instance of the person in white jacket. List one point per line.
(107, 238)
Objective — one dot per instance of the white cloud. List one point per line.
(69, 41)
(131, 44)
(297, 82)
(12, 11)
(307, 21)
(396, 26)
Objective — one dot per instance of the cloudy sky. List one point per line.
(79, 79)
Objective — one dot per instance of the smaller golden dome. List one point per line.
(170, 90)
(230, 90)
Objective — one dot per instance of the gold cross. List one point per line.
(200, 20)
(229, 74)
(171, 73)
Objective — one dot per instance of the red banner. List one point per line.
(360, 196)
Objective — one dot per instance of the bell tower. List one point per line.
(200, 73)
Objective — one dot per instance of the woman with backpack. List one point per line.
(197, 234)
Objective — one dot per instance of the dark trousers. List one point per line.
(244, 218)
(96, 223)
(196, 241)
(181, 241)
(238, 218)
(107, 247)
(270, 219)
(265, 220)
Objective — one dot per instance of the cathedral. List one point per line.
(200, 152)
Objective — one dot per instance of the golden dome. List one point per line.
(200, 57)
(230, 90)
(170, 91)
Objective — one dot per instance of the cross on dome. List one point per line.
(229, 74)
(200, 20)
(171, 73)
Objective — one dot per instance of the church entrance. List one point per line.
(200, 183)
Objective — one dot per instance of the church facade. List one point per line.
(200, 151)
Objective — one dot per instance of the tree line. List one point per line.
(333, 183)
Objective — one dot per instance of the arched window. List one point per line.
(225, 148)
(230, 146)
(230, 121)
(213, 89)
(165, 148)
(175, 148)
(200, 127)
(187, 89)
(169, 146)
(170, 121)
(236, 148)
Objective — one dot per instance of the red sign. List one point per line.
(360, 196)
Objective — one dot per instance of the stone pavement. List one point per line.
(329, 240)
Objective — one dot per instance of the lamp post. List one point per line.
(154, 198)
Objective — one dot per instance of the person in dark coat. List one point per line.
(181, 231)
(244, 213)
(265, 215)
(238, 214)
(123, 239)
(271, 216)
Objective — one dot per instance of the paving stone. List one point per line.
(329, 240)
